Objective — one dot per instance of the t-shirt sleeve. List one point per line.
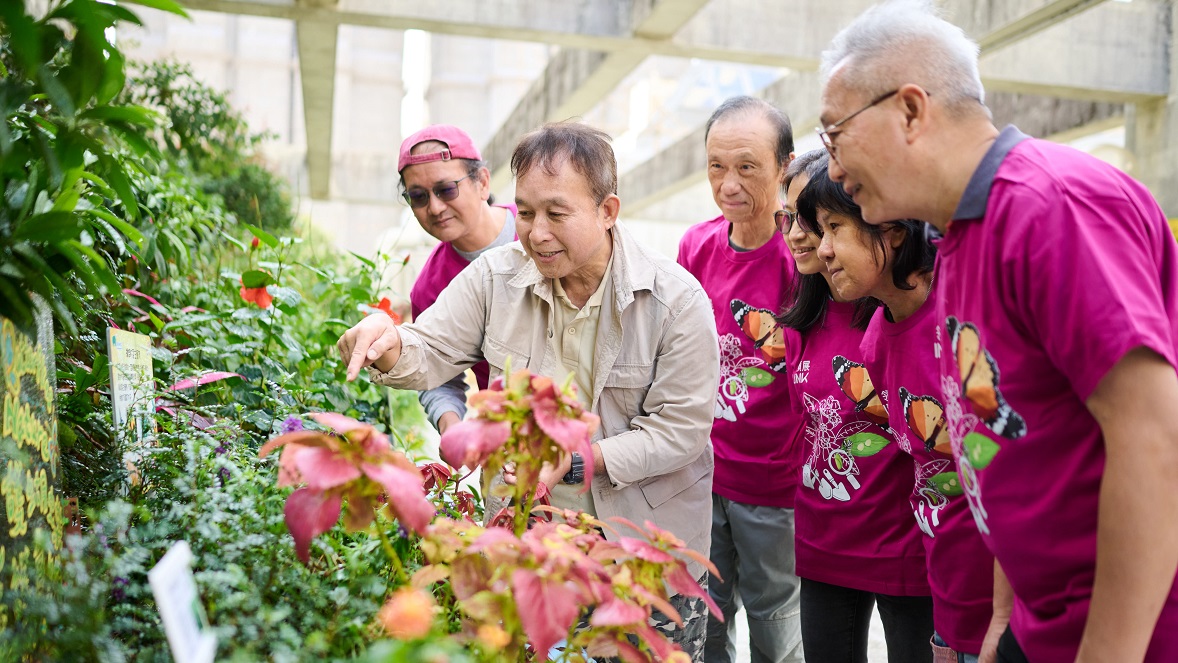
(1092, 278)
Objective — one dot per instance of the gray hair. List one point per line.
(779, 120)
(906, 41)
(808, 163)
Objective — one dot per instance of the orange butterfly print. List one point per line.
(856, 384)
(767, 334)
(979, 381)
(926, 418)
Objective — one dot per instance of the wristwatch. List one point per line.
(576, 473)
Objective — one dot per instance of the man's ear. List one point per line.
(915, 102)
(612, 206)
(484, 182)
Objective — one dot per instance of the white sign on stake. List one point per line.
(185, 622)
(131, 390)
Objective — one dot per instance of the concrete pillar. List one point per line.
(1152, 136)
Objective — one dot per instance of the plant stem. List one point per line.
(398, 568)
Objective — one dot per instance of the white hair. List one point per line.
(906, 41)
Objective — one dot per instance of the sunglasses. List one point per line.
(785, 220)
(443, 191)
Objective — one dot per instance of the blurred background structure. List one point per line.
(339, 82)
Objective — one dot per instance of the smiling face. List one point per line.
(561, 227)
(455, 221)
(803, 245)
(864, 147)
(856, 264)
(742, 167)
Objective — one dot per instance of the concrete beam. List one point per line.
(1115, 52)
(998, 23)
(317, 48)
(595, 25)
(576, 79)
(1051, 117)
(1152, 136)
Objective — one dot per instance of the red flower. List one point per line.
(257, 296)
(387, 306)
(254, 243)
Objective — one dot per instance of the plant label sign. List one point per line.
(131, 390)
(181, 611)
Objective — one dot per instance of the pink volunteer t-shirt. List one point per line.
(1056, 265)
(960, 566)
(440, 268)
(756, 434)
(853, 525)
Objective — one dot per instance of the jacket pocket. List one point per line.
(623, 395)
(496, 353)
(658, 490)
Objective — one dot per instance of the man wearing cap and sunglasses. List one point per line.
(446, 183)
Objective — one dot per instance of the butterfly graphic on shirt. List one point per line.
(768, 335)
(926, 418)
(853, 379)
(979, 381)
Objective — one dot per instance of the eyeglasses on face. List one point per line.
(785, 220)
(443, 191)
(828, 132)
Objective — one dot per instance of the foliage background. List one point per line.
(132, 199)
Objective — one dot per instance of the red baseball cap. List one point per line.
(460, 146)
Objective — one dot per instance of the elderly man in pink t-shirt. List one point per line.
(1057, 339)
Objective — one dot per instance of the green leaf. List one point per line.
(233, 240)
(122, 186)
(865, 444)
(286, 296)
(267, 238)
(132, 114)
(364, 260)
(946, 483)
(131, 232)
(163, 5)
(256, 278)
(980, 450)
(756, 377)
(49, 227)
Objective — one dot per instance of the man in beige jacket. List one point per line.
(577, 294)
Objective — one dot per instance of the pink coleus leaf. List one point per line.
(310, 513)
(189, 383)
(323, 468)
(337, 422)
(547, 607)
(136, 293)
(570, 434)
(645, 551)
(681, 581)
(616, 612)
(406, 496)
(471, 442)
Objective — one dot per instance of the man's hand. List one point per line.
(447, 420)
(374, 341)
(550, 474)
(1000, 619)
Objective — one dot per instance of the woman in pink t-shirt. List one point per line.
(856, 542)
(893, 263)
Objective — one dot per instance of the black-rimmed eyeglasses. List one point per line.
(444, 191)
(827, 133)
(784, 219)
